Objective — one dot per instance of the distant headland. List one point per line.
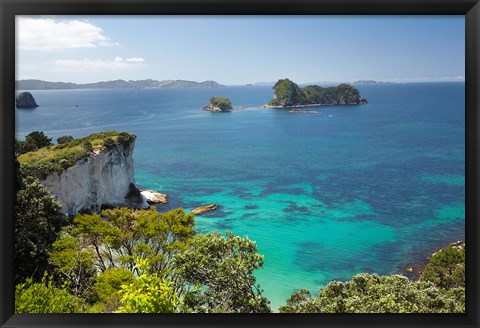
(116, 84)
(367, 82)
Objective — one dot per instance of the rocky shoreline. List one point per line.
(299, 111)
(310, 105)
(215, 109)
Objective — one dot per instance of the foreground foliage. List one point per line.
(440, 289)
(127, 260)
(45, 297)
(221, 270)
(107, 287)
(38, 221)
(446, 268)
(370, 293)
(148, 293)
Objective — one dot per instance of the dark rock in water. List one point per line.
(205, 208)
(25, 100)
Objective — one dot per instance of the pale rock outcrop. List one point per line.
(103, 180)
(205, 208)
(154, 197)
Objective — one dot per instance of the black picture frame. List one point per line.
(10, 8)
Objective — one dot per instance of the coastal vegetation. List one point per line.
(440, 289)
(289, 94)
(38, 221)
(446, 268)
(64, 139)
(39, 157)
(124, 260)
(371, 293)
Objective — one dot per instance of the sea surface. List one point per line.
(356, 188)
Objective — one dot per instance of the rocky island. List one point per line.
(289, 94)
(25, 100)
(219, 104)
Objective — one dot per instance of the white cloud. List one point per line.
(52, 34)
(72, 65)
(135, 60)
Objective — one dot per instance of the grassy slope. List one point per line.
(60, 157)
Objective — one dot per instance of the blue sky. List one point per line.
(238, 50)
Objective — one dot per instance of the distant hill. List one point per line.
(262, 84)
(362, 82)
(116, 84)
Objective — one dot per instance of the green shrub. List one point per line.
(446, 268)
(107, 287)
(108, 143)
(87, 147)
(64, 139)
(44, 297)
(148, 293)
(125, 138)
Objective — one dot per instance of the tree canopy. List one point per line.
(148, 293)
(440, 289)
(33, 141)
(38, 221)
(446, 268)
(139, 250)
(370, 293)
(221, 271)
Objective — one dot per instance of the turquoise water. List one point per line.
(370, 188)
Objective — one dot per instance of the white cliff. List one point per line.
(105, 179)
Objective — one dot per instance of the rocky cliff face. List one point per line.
(102, 180)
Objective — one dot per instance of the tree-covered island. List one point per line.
(219, 104)
(289, 94)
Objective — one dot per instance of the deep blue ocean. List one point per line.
(358, 188)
